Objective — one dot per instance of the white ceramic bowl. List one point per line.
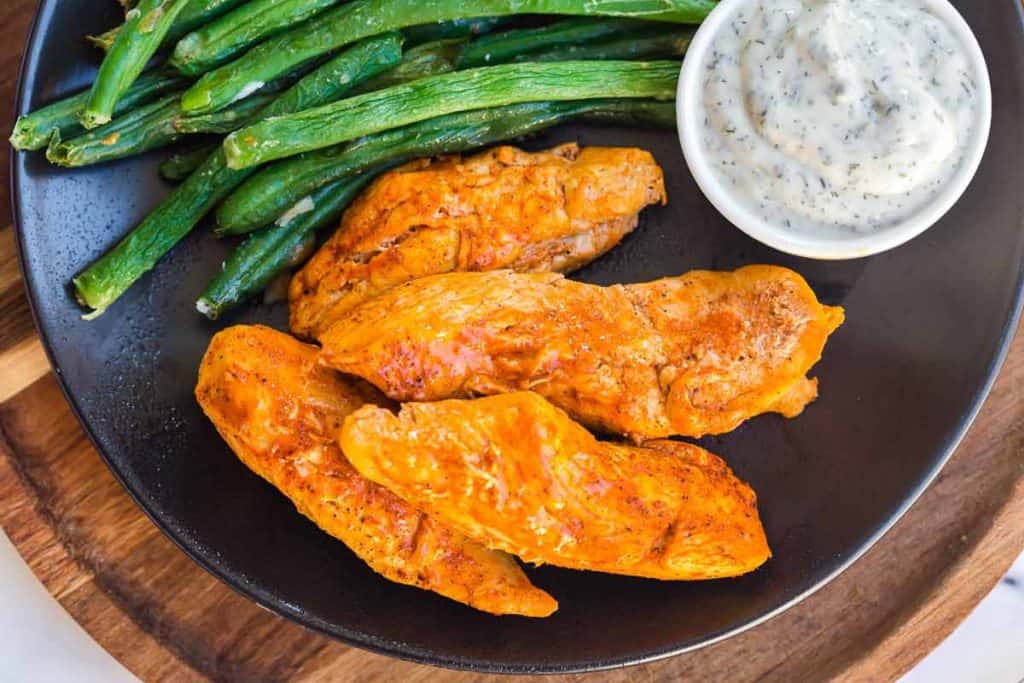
(828, 245)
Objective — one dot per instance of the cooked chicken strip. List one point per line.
(279, 410)
(689, 356)
(505, 208)
(517, 474)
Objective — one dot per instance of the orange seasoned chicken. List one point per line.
(517, 474)
(505, 208)
(279, 411)
(690, 356)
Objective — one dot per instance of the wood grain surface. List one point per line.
(167, 620)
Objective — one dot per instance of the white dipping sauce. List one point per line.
(837, 114)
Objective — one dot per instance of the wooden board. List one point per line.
(167, 620)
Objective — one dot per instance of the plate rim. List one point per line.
(30, 59)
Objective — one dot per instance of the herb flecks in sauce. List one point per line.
(841, 114)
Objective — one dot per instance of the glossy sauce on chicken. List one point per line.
(515, 473)
(688, 356)
(552, 211)
(279, 411)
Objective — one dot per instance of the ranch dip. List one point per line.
(837, 115)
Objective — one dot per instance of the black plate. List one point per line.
(928, 327)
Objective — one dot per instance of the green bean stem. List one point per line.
(151, 127)
(144, 129)
(60, 119)
(350, 22)
(102, 283)
(138, 40)
(222, 39)
(265, 255)
(181, 165)
(197, 13)
(106, 280)
(34, 131)
(486, 87)
(105, 41)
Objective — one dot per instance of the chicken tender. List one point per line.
(279, 411)
(517, 474)
(553, 211)
(688, 356)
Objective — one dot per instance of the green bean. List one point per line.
(658, 44)
(181, 165)
(270, 192)
(449, 30)
(350, 22)
(251, 108)
(265, 255)
(344, 73)
(144, 129)
(34, 131)
(219, 41)
(428, 59)
(136, 43)
(106, 280)
(199, 13)
(196, 14)
(226, 120)
(401, 105)
(447, 55)
(499, 48)
(151, 127)
(634, 113)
